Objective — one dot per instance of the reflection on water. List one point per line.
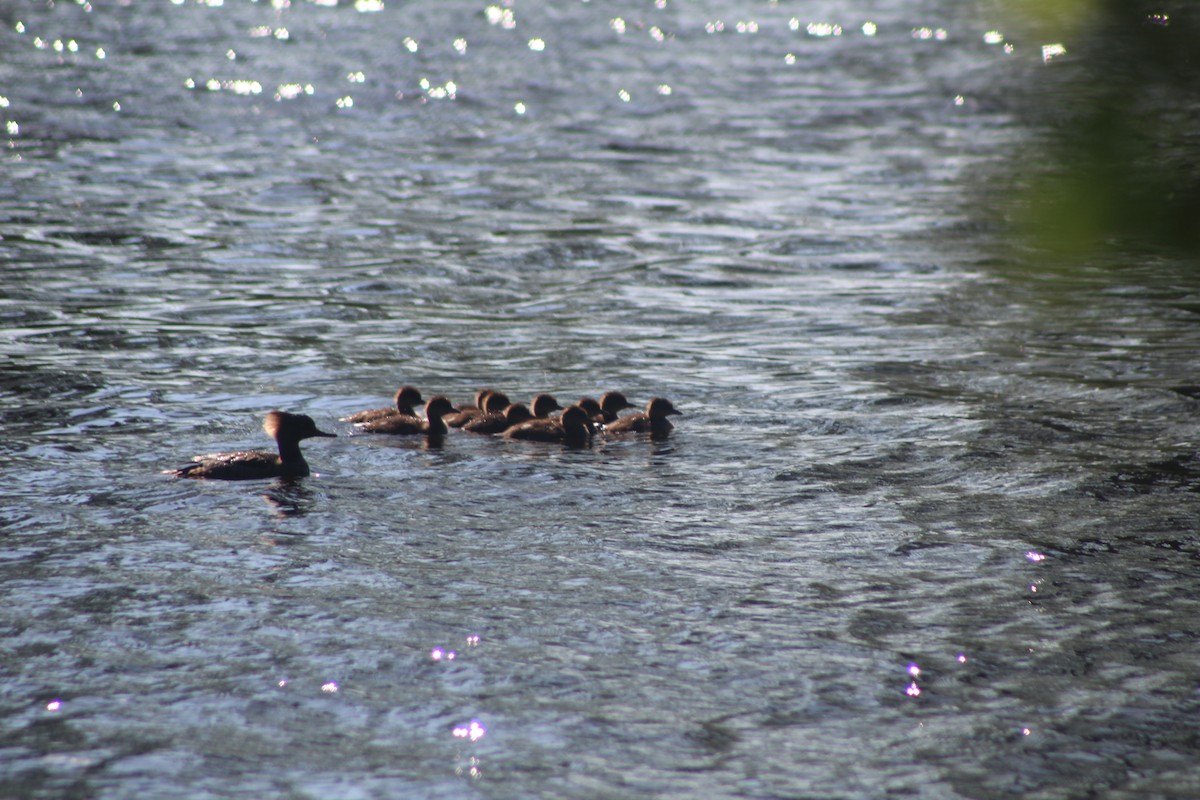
(928, 526)
(290, 498)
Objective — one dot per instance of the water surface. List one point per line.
(928, 525)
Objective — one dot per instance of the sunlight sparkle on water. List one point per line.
(439, 654)
(329, 687)
(823, 29)
(473, 770)
(993, 37)
(962, 658)
(912, 690)
(290, 91)
(938, 34)
(243, 87)
(914, 670)
(368, 6)
(537, 45)
(54, 705)
(1035, 557)
(473, 730)
(617, 24)
(411, 44)
(870, 29)
(1052, 51)
(500, 16)
(460, 45)
(519, 108)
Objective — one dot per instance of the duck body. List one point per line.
(412, 425)
(288, 430)
(654, 420)
(407, 398)
(571, 429)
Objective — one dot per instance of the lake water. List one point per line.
(929, 526)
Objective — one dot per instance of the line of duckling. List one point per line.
(492, 413)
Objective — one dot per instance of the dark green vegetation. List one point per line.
(1121, 113)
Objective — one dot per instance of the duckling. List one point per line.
(432, 425)
(487, 402)
(653, 419)
(515, 414)
(610, 404)
(407, 397)
(571, 428)
(542, 404)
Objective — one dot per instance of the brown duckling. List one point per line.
(286, 429)
(407, 398)
(571, 428)
(653, 419)
(515, 414)
(591, 406)
(487, 402)
(610, 404)
(432, 425)
(542, 404)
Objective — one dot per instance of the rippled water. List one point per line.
(927, 528)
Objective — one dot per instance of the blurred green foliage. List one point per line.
(1121, 114)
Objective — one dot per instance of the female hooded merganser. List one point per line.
(499, 423)
(610, 404)
(653, 419)
(407, 398)
(286, 429)
(571, 428)
(542, 404)
(487, 401)
(432, 425)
